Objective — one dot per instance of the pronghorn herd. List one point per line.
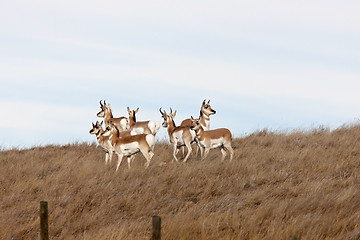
(126, 137)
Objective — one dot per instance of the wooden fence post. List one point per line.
(156, 228)
(44, 226)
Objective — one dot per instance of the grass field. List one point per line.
(298, 185)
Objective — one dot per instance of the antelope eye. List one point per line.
(206, 107)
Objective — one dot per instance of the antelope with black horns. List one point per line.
(121, 123)
(179, 136)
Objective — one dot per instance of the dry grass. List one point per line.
(303, 185)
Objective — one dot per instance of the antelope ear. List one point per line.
(93, 124)
(128, 109)
(174, 113)
(136, 110)
(101, 123)
(203, 103)
(208, 102)
(192, 118)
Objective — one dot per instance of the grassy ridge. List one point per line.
(301, 184)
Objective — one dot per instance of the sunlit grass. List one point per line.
(296, 185)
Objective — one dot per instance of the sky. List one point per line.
(280, 65)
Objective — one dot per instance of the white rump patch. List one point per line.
(129, 149)
(153, 126)
(150, 139)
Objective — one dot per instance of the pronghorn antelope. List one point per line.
(179, 136)
(204, 118)
(205, 113)
(146, 127)
(217, 138)
(121, 122)
(102, 140)
(128, 146)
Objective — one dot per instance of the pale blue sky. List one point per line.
(281, 65)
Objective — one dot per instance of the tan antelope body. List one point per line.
(128, 146)
(204, 119)
(217, 138)
(102, 140)
(144, 127)
(121, 122)
(179, 136)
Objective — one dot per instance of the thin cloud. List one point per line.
(42, 116)
(288, 57)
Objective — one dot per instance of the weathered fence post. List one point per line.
(156, 230)
(44, 226)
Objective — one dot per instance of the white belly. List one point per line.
(214, 143)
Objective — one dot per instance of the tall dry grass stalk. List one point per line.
(301, 185)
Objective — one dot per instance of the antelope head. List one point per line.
(95, 128)
(206, 108)
(102, 109)
(168, 118)
(195, 124)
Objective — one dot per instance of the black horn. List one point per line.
(163, 113)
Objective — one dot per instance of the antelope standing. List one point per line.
(102, 140)
(121, 122)
(217, 138)
(179, 136)
(146, 127)
(128, 146)
(204, 118)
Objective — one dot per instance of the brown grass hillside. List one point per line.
(300, 185)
